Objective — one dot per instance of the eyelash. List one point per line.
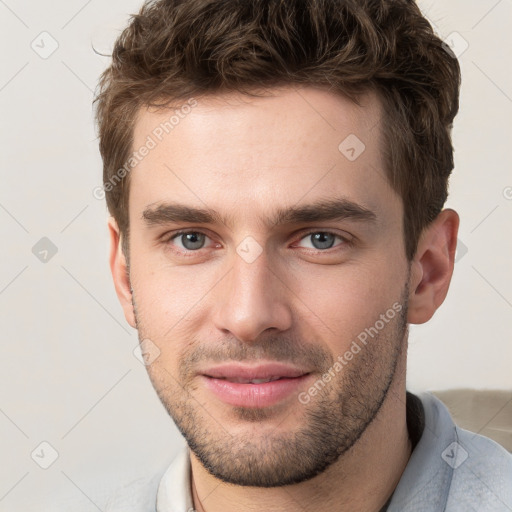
(348, 242)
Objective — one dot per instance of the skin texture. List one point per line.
(245, 158)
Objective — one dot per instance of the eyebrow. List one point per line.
(324, 210)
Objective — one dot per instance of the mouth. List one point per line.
(241, 380)
(254, 386)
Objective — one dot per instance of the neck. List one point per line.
(361, 480)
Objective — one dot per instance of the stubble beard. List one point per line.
(332, 422)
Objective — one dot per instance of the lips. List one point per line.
(254, 386)
(251, 381)
(246, 374)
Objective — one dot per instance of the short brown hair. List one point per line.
(175, 49)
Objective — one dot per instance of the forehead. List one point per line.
(239, 152)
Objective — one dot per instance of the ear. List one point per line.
(432, 267)
(119, 269)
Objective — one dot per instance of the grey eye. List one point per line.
(192, 241)
(322, 240)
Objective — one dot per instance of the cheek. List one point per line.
(166, 289)
(343, 301)
(171, 304)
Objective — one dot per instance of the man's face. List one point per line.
(272, 284)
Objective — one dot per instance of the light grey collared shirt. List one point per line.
(450, 470)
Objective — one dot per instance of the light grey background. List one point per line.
(68, 373)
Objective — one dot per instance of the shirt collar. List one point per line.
(427, 477)
(175, 492)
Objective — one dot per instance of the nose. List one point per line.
(251, 299)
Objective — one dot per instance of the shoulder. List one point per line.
(480, 470)
(452, 469)
(138, 495)
(167, 490)
(482, 475)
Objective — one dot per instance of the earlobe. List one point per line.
(432, 267)
(119, 269)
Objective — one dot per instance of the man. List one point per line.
(276, 173)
